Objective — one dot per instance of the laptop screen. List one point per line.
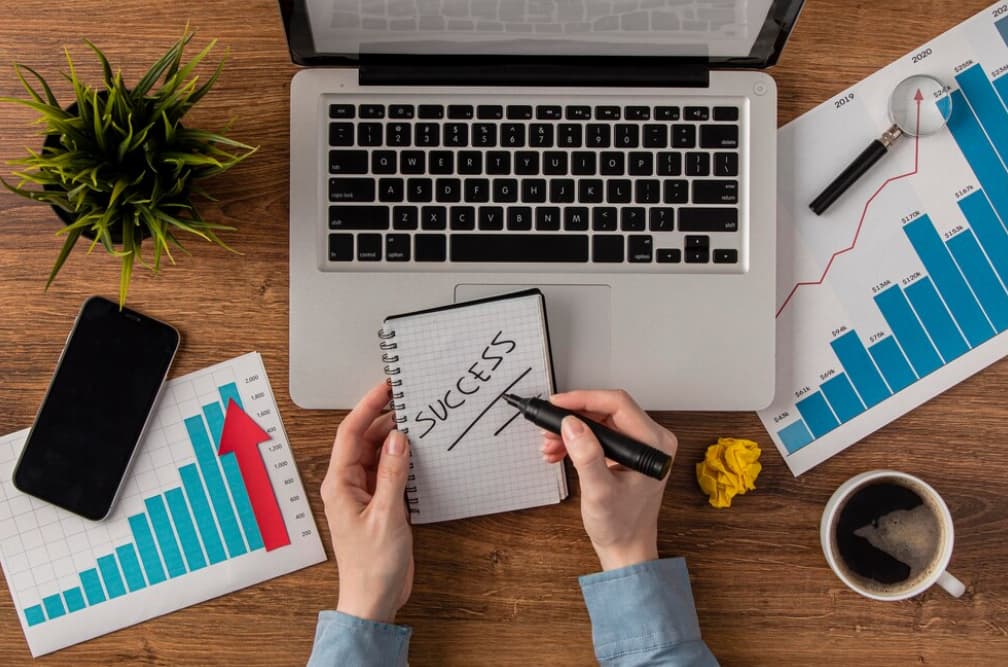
(739, 32)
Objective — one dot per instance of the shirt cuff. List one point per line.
(349, 641)
(640, 608)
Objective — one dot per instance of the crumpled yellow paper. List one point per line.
(730, 467)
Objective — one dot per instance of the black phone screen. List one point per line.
(92, 418)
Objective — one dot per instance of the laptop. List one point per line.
(620, 155)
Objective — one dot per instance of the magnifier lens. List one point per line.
(935, 105)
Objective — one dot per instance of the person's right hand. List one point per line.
(619, 507)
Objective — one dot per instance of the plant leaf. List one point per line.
(68, 245)
(106, 68)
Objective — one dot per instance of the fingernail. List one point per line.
(572, 427)
(396, 445)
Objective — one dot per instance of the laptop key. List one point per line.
(698, 164)
(428, 134)
(715, 192)
(607, 248)
(696, 113)
(460, 111)
(463, 217)
(725, 113)
(484, 135)
(669, 164)
(598, 136)
(662, 219)
(537, 247)
(698, 219)
(341, 134)
(569, 136)
(383, 162)
(397, 247)
(604, 218)
(470, 163)
(545, 112)
(656, 136)
(632, 219)
(533, 190)
(619, 191)
(405, 217)
(491, 218)
(555, 163)
(583, 164)
(401, 111)
(448, 190)
(547, 219)
(390, 189)
(590, 191)
(541, 136)
(666, 113)
(489, 112)
(398, 134)
(612, 164)
(358, 217)
(519, 112)
(676, 191)
(441, 163)
(477, 190)
(640, 164)
(726, 164)
(430, 111)
(578, 113)
(498, 163)
(351, 189)
(626, 136)
(419, 190)
(341, 111)
(692, 242)
(341, 247)
(647, 191)
(683, 136)
(369, 134)
(512, 135)
(369, 247)
(576, 219)
(640, 248)
(456, 134)
(719, 136)
(669, 255)
(562, 191)
(638, 113)
(430, 247)
(607, 113)
(697, 256)
(527, 163)
(348, 162)
(505, 190)
(519, 218)
(372, 111)
(727, 256)
(433, 217)
(412, 162)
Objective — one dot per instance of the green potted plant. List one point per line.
(119, 166)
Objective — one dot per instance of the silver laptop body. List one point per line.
(678, 311)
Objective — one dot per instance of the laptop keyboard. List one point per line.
(631, 186)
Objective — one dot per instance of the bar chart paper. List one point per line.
(195, 519)
(898, 292)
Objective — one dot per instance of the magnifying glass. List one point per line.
(919, 105)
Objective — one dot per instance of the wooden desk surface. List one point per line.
(496, 590)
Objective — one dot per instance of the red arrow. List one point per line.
(242, 436)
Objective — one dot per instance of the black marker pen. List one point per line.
(616, 446)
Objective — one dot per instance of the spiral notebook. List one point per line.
(472, 453)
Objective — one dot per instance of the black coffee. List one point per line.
(888, 536)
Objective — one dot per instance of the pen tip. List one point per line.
(511, 399)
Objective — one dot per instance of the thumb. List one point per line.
(393, 471)
(585, 451)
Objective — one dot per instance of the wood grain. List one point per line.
(498, 590)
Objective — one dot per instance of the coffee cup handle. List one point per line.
(952, 586)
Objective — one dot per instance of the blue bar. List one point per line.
(165, 536)
(936, 319)
(859, 366)
(131, 567)
(230, 391)
(241, 500)
(986, 106)
(817, 414)
(215, 420)
(795, 436)
(206, 457)
(840, 394)
(1001, 84)
(202, 513)
(893, 364)
(53, 606)
(988, 229)
(92, 586)
(34, 615)
(74, 599)
(110, 575)
(979, 153)
(1002, 27)
(185, 528)
(908, 330)
(148, 549)
(992, 296)
(949, 281)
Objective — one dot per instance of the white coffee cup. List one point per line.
(937, 573)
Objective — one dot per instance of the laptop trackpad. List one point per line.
(580, 329)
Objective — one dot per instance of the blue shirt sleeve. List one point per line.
(347, 641)
(644, 615)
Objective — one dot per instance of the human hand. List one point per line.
(619, 507)
(364, 504)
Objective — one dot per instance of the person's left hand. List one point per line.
(364, 503)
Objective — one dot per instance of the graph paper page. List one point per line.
(472, 453)
(184, 529)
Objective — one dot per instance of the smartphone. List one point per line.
(94, 414)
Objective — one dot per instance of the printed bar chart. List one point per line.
(196, 536)
(879, 313)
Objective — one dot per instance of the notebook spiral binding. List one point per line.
(387, 345)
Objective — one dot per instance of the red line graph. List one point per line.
(864, 213)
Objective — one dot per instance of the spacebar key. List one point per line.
(519, 247)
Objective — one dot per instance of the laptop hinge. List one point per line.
(470, 71)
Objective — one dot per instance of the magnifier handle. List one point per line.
(849, 176)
